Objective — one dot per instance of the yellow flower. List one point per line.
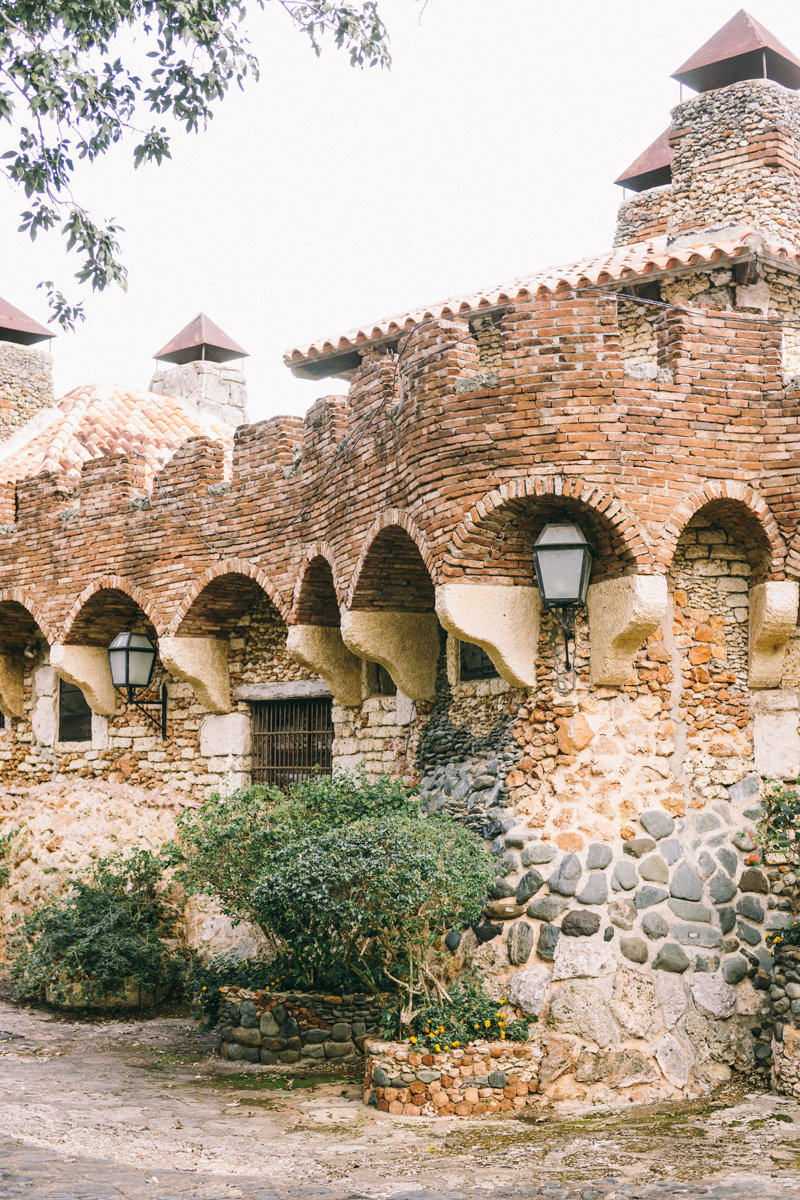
(438, 1048)
(456, 1043)
(205, 989)
(502, 1033)
(414, 1040)
(487, 1024)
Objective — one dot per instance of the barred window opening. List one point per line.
(290, 739)
(475, 663)
(74, 714)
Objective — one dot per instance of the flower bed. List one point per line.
(486, 1077)
(284, 1027)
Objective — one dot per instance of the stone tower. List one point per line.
(26, 372)
(201, 375)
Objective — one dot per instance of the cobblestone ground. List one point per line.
(142, 1109)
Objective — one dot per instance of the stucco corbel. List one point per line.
(11, 685)
(406, 644)
(622, 613)
(321, 649)
(202, 662)
(87, 668)
(773, 617)
(503, 621)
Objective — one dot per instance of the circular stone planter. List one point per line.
(76, 996)
(484, 1078)
(287, 1027)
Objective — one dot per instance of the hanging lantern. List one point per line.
(563, 561)
(131, 659)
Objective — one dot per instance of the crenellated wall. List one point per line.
(398, 522)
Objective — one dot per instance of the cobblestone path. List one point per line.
(91, 1110)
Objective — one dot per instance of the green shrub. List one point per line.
(225, 845)
(779, 825)
(6, 844)
(468, 1015)
(116, 925)
(373, 896)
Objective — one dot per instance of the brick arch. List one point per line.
(729, 502)
(106, 619)
(494, 539)
(254, 580)
(20, 616)
(317, 590)
(395, 560)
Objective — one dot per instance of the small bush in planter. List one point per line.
(115, 930)
(371, 898)
(225, 845)
(466, 1015)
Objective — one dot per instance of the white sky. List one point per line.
(324, 197)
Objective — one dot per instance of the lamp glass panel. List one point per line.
(140, 666)
(561, 573)
(118, 662)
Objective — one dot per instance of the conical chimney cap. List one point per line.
(201, 339)
(742, 49)
(652, 168)
(16, 326)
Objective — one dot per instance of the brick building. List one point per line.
(358, 586)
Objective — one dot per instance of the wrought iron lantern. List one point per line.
(563, 561)
(131, 658)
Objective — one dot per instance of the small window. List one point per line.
(476, 664)
(386, 686)
(290, 739)
(74, 714)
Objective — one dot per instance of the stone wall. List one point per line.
(483, 1078)
(215, 390)
(747, 131)
(284, 1027)
(644, 216)
(26, 385)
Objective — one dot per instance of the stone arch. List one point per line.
(733, 505)
(20, 616)
(316, 593)
(232, 573)
(104, 608)
(20, 621)
(395, 570)
(391, 519)
(391, 619)
(513, 515)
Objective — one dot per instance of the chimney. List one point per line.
(729, 161)
(201, 376)
(26, 373)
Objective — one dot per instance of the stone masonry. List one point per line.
(356, 553)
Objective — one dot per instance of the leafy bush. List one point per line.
(6, 843)
(373, 896)
(468, 1015)
(225, 846)
(780, 821)
(115, 926)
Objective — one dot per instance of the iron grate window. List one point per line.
(74, 714)
(475, 663)
(290, 739)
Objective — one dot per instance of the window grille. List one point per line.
(290, 739)
(475, 663)
(74, 714)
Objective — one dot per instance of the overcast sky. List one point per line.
(323, 196)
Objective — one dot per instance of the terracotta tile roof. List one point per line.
(101, 421)
(633, 261)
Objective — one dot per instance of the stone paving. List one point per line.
(140, 1110)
